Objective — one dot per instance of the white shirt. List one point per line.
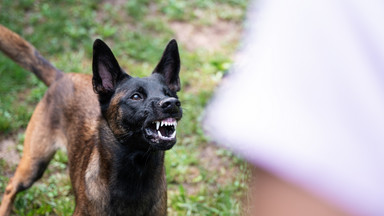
(306, 99)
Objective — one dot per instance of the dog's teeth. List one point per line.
(173, 135)
(158, 133)
(162, 123)
(157, 125)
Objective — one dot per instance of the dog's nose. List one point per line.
(170, 104)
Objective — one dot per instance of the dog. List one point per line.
(115, 127)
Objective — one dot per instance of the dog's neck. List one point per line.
(127, 162)
(131, 174)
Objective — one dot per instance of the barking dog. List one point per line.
(115, 128)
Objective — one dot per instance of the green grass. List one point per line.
(202, 179)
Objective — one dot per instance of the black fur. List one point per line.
(130, 105)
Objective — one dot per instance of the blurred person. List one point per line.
(305, 105)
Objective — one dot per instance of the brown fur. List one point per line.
(69, 115)
(27, 56)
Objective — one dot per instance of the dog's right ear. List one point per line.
(106, 70)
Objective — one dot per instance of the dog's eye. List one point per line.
(136, 97)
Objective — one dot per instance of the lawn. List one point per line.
(202, 178)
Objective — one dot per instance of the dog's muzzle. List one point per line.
(161, 132)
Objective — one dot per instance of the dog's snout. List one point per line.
(170, 104)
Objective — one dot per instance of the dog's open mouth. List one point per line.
(162, 130)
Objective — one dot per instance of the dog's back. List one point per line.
(68, 102)
(65, 113)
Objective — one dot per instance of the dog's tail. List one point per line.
(26, 55)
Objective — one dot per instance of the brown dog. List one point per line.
(115, 133)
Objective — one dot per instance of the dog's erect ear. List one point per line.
(106, 70)
(169, 66)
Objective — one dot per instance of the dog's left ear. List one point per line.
(169, 66)
(106, 70)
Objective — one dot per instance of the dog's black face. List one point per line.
(145, 109)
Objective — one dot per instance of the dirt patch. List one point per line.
(211, 38)
(8, 151)
(214, 162)
(221, 170)
(8, 155)
(190, 187)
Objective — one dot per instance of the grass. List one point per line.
(202, 179)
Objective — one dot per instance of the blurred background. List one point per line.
(202, 178)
